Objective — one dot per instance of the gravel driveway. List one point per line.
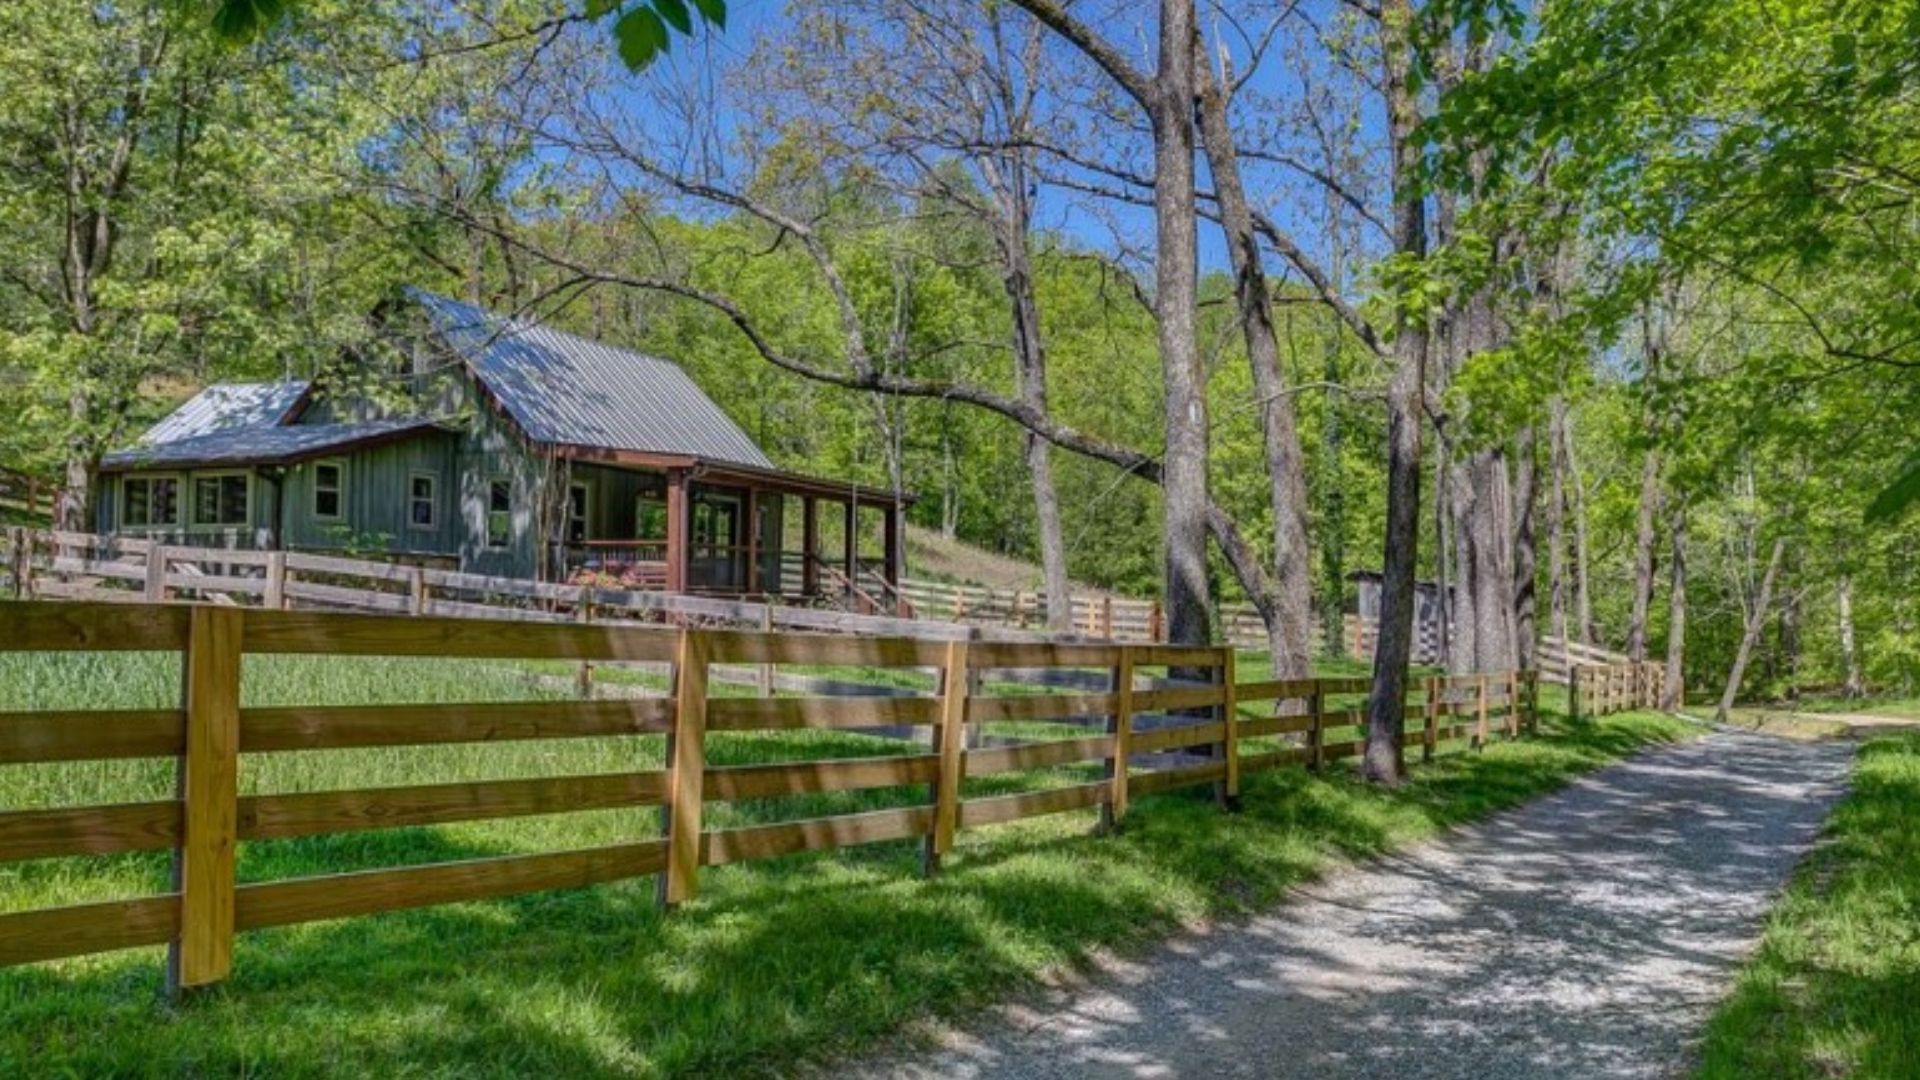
(1588, 933)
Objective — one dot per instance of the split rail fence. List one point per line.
(1194, 726)
(1602, 689)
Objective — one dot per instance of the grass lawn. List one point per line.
(777, 962)
(1834, 989)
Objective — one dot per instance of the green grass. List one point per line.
(1834, 989)
(778, 961)
(1893, 707)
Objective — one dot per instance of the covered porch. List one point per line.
(643, 522)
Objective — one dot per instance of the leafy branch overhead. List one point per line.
(642, 29)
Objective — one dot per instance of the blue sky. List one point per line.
(1063, 212)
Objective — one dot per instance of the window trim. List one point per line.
(433, 500)
(506, 542)
(313, 491)
(179, 502)
(193, 500)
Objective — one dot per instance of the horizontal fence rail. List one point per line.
(1168, 718)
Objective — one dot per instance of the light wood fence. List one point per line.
(1601, 689)
(1192, 725)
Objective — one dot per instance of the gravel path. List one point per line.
(1586, 934)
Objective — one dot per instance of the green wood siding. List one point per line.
(376, 501)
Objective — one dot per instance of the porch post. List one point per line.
(852, 541)
(753, 540)
(895, 549)
(677, 530)
(810, 544)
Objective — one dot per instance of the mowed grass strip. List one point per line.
(1834, 989)
(777, 962)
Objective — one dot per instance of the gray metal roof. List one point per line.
(226, 407)
(265, 445)
(566, 390)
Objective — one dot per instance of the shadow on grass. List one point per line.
(777, 962)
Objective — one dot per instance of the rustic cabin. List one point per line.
(503, 447)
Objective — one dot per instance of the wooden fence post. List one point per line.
(686, 769)
(1229, 724)
(1513, 704)
(156, 573)
(949, 741)
(209, 790)
(1431, 736)
(1533, 700)
(274, 596)
(1156, 622)
(765, 679)
(1575, 674)
(1106, 616)
(1317, 734)
(1480, 713)
(1120, 725)
(583, 679)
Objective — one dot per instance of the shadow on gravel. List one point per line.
(1587, 934)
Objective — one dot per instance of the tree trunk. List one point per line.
(1526, 550)
(1849, 653)
(1582, 591)
(1030, 370)
(1333, 512)
(1184, 491)
(1444, 548)
(1484, 636)
(1643, 559)
(1673, 695)
(1756, 622)
(1557, 598)
(1386, 704)
(1290, 625)
(70, 514)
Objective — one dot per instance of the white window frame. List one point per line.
(313, 493)
(179, 502)
(506, 542)
(433, 500)
(193, 501)
(586, 510)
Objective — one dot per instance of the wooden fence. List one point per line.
(84, 566)
(1600, 689)
(1147, 740)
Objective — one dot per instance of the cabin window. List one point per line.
(499, 513)
(579, 500)
(423, 501)
(149, 502)
(220, 500)
(329, 489)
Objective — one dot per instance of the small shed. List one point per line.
(1428, 611)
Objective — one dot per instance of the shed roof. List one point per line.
(567, 391)
(227, 407)
(262, 445)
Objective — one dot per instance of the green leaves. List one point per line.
(1899, 495)
(642, 32)
(641, 36)
(240, 20)
(645, 28)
